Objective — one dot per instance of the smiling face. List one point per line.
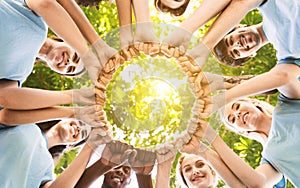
(243, 115)
(70, 131)
(197, 173)
(117, 178)
(63, 59)
(242, 42)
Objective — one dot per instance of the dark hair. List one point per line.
(57, 150)
(221, 53)
(174, 12)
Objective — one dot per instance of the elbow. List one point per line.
(5, 117)
(4, 101)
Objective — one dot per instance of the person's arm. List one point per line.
(279, 76)
(71, 175)
(264, 175)
(125, 21)
(21, 117)
(144, 28)
(92, 173)
(205, 12)
(60, 22)
(144, 180)
(165, 157)
(29, 98)
(69, 178)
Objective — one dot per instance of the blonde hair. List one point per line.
(262, 104)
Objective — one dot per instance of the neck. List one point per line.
(52, 137)
(265, 124)
(46, 48)
(262, 34)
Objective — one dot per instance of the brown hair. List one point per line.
(174, 12)
(221, 53)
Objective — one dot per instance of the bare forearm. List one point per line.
(163, 174)
(245, 173)
(124, 12)
(141, 10)
(60, 22)
(261, 83)
(92, 173)
(144, 181)
(207, 10)
(72, 174)
(28, 98)
(226, 174)
(80, 19)
(21, 117)
(230, 17)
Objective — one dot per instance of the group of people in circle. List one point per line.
(35, 128)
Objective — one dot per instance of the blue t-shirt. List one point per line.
(282, 148)
(281, 25)
(24, 157)
(22, 34)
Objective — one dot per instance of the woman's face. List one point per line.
(63, 59)
(197, 173)
(173, 4)
(242, 115)
(70, 131)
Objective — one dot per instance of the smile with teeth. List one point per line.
(244, 117)
(117, 179)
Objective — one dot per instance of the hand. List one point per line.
(217, 101)
(179, 38)
(144, 33)
(85, 96)
(144, 161)
(182, 139)
(99, 136)
(116, 153)
(199, 54)
(106, 53)
(165, 153)
(194, 147)
(89, 115)
(203, 130)
(92, 65)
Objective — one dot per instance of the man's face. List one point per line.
(118, 177)
(243, 42)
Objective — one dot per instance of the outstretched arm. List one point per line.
(282, 77)
(264, 175)
(206, 11)
(71, 175)
(60, 22)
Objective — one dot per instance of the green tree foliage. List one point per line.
(104, 18)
